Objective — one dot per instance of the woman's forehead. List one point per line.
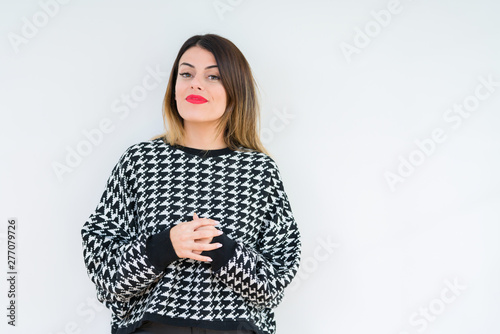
(198, 57)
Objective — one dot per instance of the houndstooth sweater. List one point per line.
(130, 259)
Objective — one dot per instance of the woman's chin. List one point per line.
(197, 118)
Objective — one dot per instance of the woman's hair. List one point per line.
(241, 119)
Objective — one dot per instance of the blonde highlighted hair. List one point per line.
(241, 119)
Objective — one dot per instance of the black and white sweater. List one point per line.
(131, 261)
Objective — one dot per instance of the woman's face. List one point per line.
(199, 93)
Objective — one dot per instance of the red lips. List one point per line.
(196, 99)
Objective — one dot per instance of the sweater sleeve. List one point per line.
(114, 251)
(260, 275)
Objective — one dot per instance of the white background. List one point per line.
(376, 258)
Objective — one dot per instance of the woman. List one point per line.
(194, 232)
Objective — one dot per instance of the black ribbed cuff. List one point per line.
(220, 256)
(160, 251)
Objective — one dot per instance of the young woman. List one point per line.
(194, 232)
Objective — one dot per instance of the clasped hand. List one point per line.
(191, 238)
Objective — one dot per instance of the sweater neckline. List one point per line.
(199, 152)
(204, 153)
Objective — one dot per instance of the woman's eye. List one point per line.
(214, 77)
(185, 75)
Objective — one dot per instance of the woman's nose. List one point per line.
(195, 83)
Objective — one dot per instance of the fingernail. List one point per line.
(209, 260)
(216, 221)
(219, 232)
(219, 245)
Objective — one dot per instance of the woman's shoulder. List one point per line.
(260, 160)
(255, 154)
(138, 149)
(147, 145)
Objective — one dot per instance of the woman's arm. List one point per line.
(114, 252)
(261, 275)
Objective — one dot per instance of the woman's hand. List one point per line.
(191, 238)
(206, 228)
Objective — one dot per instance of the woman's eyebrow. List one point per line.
(188, 64)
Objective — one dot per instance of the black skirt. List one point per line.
(150, 327)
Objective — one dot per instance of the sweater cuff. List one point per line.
(160, 251)
(220, 256)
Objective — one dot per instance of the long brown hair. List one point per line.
(241, 120)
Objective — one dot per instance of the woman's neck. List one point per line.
(201, 136)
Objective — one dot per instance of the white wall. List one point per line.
(378, 257)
